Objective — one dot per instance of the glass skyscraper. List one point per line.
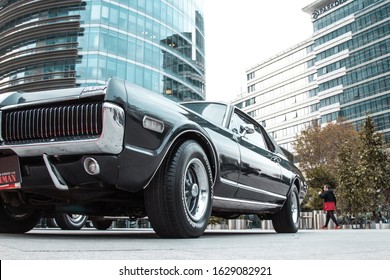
(343, 71)
(352, 45)
(156, 44)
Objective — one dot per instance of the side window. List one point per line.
(236, 123)
(239, 121)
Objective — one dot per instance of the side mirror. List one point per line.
(246, 129)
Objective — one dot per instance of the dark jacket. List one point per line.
(328, 196)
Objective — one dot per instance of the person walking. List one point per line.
(329, 205)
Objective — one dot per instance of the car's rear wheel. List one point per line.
(178, 200)
(70, 221)
(287, 219)
(101, 224)
(17, 220)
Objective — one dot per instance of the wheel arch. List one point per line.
(296, 182)
(204, 142)
(200, 138)
(300, 183)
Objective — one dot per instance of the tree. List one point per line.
(356, 163)
(308, 145)
(386, 191)
(317, 150)
(364, 171)
(374, 165)
(350, 196)
(319, 147)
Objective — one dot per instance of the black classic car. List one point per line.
(120, 150)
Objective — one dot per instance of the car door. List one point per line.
(260, 176)
(225, 142)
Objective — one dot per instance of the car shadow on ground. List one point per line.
(127, 233)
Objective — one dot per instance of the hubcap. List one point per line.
(196, 189)
(76, 218)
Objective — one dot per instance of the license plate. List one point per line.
(10, 173)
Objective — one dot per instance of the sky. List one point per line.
(241, 34)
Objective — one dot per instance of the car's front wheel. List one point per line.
(287, 219)
(178, 200)
(17, 220)
(70, 221)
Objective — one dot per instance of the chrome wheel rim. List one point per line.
(196, 190)
(76, 218)
(294, 207)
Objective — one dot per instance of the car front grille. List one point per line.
(52, 123)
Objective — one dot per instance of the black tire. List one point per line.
(70, 221)
(178, 200)
(18, 220)
(287, 219)
(102, 224)
(51, 223)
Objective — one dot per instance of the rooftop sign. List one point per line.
(328, 7)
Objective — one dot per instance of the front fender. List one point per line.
(145, 148)
(138, 166)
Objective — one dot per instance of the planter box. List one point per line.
(232, 224)
(385, 226)
(214, 226)
(241, 224)
(371, 226)
(266, 224)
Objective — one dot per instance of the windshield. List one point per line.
(213, 112)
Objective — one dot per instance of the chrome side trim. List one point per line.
(110, 141)
(229, 182)
(228, 203)
(58, 181)
(252, 189)
(226, 117)
(139, 150)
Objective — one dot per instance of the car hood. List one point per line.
(18, 99)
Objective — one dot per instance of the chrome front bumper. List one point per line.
(110, 141)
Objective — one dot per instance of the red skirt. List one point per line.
(328, 206)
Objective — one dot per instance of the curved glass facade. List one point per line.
(38, 46)
(156, 44)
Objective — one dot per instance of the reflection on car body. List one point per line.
(121, 150)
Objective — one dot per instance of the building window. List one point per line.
(250, 102)
(250, 76)
(251, 88)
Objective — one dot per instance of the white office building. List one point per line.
(343, 70)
